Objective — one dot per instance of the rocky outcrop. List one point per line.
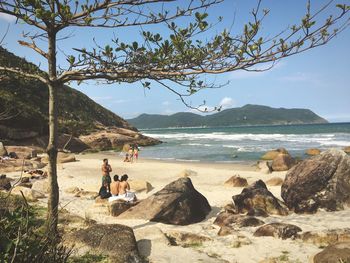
(41, 186)
(257, 196)
(270, 155)
(335, 253)
(278, 230)
(282, 162)
(29, 194)
(61, 158)
(322, 181)
(116, 138)
(326, 237)
(236, 181)
(312, 152)
(178, 203)
(116, 241)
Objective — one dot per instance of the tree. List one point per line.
(181, 58)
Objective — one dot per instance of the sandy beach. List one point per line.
(85, 173)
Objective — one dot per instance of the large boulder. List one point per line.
(282, 162)
(256, 196)
(270, 155)
(140, 186)
(335, 253)
(278, 230)
(236, 181)
(61, 158)
(3, 151)
(178, 203)
(116, 241)
(322, 181)
(264, 167)
(41, 186)
(29, 194)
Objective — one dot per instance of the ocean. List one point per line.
(243, 144)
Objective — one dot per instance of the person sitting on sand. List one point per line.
(104, 193)
(115, 185)
(106, 169)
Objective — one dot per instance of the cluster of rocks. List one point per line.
(276, 160)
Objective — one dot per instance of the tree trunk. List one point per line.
(52, 209)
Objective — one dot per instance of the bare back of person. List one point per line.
(115, 188)
(123, 187)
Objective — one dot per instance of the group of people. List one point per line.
(118, 189)
(132, 154)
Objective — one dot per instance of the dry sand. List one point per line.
(210, 178)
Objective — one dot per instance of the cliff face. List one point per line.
(26, 102)
(243, 116)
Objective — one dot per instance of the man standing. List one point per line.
(106, 169)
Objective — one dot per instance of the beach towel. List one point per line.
(128, 197)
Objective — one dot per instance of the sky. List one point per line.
(317, 79)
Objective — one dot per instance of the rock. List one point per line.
(327, 237)
(178, 203)
(27, 185)
(38, 165)
(70, 143)
(116, 138)
(347, 149)
(236, 181)
(278, 230)
(322, 181)
(114, 240)
(15, 165)
(282, 162)
(226, 230)
(312, 152)
(5, 183)
(29, 194)
(226, 219)
(335, 253)
(41, 186)
(101, 202)
(270, 155)
(185, 239)
(187, 173)
(256, 196)
(264, 167)
(230, 208)
(140, 186)
(3, 151)
(118, 207)
(274, 181)
(25, 180)
(257, 212)
(23, 152)
(61, 158)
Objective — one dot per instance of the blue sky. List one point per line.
(317, 79)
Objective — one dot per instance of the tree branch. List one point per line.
(25, 74)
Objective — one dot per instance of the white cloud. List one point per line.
(166, 103)
(226, 103)
(7, 18)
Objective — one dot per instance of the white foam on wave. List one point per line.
(185, 160)
(196, 144)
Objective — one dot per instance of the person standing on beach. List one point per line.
(131, 154)
(106, 169)
(136, 153)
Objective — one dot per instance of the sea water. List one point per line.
(243, 144)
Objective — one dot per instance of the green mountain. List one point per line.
(26, 101)
(243, 116)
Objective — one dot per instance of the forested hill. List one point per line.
(246, 115)
(27, 100)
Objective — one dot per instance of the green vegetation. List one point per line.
(28, 99)
(246, 115)
(88, 258)
(22, 236)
